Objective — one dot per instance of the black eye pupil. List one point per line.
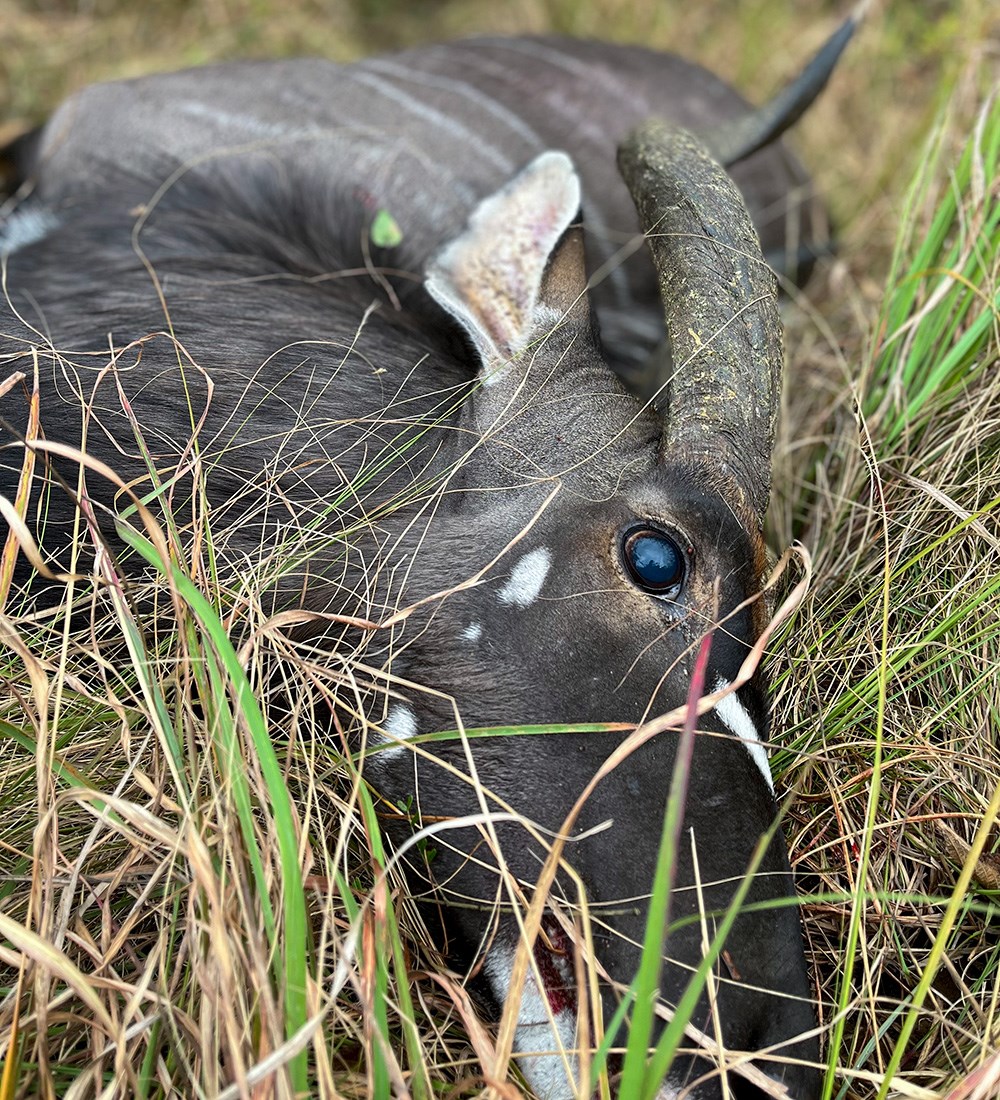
(654, 559)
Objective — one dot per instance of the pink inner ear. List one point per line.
(490, 277)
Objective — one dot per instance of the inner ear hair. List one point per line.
(509, 260)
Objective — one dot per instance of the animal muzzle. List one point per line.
(554, 1022)
(552, 1026)
(756, 1006)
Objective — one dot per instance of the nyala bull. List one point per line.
(374, 321)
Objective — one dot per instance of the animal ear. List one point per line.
(515, 268)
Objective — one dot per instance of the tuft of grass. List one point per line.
(890, 703)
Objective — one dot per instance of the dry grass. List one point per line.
(891, 697)
(163, 850)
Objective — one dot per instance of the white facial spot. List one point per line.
(473, 632)
(526, 578)
(734, 716)
(668, 1091)
(545, 1054)
(25, 227)
(401, 722)
(400, 725)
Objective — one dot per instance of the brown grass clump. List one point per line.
(891, 697)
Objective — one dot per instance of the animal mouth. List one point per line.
(546, 1039)
(554, 958)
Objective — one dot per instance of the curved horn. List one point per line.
(735, 141)
(720, 302)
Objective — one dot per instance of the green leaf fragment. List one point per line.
(385, 231)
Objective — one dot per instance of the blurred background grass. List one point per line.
(861, 140)
(862, 132)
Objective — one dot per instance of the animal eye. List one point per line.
(654, 559)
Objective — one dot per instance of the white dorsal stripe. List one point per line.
(526, 578)
(24, 227)
(734, 716)
(464, 92)
(474, 142)
(473, 632)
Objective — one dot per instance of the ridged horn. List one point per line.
(735, 141)
(720, 304)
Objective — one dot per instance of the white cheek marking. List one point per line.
(401, 722)
(734, 715)
(473, 632)
(526, 578)
(546, 1072)
(25, 227)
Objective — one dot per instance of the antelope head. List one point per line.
(607, 544)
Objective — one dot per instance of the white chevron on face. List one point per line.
(736, 719)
